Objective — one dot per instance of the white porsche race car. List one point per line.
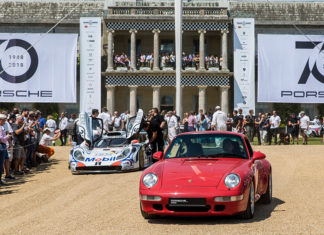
(112, 152)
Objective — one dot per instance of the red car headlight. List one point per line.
(150, 179)
(232, 180)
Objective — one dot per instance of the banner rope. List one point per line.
(48, 31)
(301, 32)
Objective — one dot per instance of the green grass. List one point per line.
(58, 142)
(311, 141)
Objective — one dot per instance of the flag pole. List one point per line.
(178, 45)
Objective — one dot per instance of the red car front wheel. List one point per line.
(249, 212)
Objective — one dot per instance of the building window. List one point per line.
(167, 103)
(166, 46)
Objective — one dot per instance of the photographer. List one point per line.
(19, 145)
(44, 143)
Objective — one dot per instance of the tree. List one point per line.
(284, 109)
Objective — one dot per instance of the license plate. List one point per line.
(187, 201)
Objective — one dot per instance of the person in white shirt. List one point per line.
(106, 118)
(172, 123)
(124, 117)
(274, 126)
(219, 120)
(304, 125)
(317, 121)
(45, 141)
(116, 122)
(51, 125)
(63, 128)
(8, 130)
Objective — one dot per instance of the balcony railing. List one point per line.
(163, 3)
(167, 11)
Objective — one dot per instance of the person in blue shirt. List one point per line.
(203, 125)
(42, 120)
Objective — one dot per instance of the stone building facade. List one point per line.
(144, 30)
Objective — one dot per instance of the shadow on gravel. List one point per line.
(11, 185)
(262, 212)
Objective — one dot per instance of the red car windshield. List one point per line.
(207, 145)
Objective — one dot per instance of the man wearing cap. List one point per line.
(219, 120)
(51, 125)
(3, 144)
(304, 125)
(44, 143)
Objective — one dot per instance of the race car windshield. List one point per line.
(207, 145)
(104, 143)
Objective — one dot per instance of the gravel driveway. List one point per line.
(52, 201)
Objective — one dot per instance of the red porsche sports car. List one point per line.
(203, 174)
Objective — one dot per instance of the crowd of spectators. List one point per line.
(192, 60)
(267, 127)
(167, 60)
(26, 137)
(26, 140)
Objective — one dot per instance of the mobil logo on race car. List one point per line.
(104, 159)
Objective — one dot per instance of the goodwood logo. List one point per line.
(315, 63)
(15, 66)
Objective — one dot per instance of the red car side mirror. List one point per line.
(258, 156)
(158, 156)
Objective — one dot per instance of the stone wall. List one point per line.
(47, 12)
(264, 12)
(301, 13)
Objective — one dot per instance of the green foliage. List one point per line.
(55, 116)
(7, 106)
(284, 109)
(320, 108)
(47, 108)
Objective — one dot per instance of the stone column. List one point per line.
(110, 98)
(224, 49)
(202, 98)
(156, 97)
(110, 50)
(132, 100)
(156, 50)
(201, 49)
(224, 99)
(133, 48)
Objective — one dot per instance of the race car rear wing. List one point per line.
(134, 124)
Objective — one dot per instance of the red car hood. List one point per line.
(197, 172)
